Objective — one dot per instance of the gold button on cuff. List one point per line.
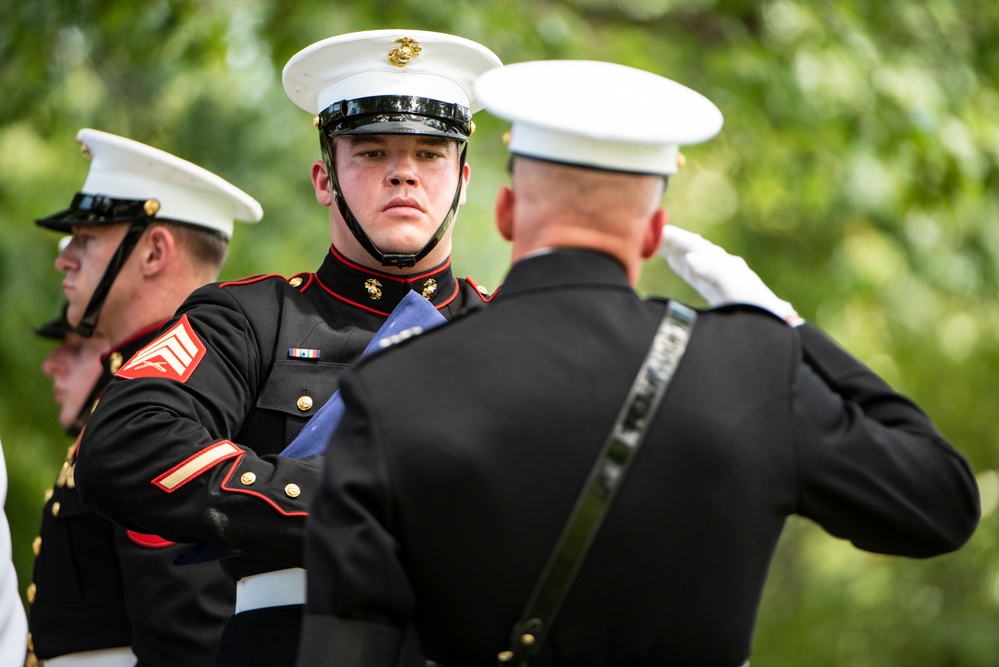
(292, 491)
(296, 281)
(304, 403)
(30, 593)
(48, 494)
(247, 478)
(55, 508)
(505, 656)
(36, 545)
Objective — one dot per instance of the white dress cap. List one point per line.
(597, 114)
(413, 63)
(126, 169)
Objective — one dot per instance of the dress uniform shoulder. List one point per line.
(299, 281)
(253, 295)
(744, 308)
(720, 308)
(480, 291)
(665, 300)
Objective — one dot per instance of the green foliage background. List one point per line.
(857, 172)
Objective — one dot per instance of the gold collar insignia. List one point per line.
(372, 286)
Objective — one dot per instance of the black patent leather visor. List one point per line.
(55, 329)
(89, 209)
(397, 114)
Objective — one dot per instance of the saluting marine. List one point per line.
(147, 228)
(193, 454)
(446, 529)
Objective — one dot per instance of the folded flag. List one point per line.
(413, 315)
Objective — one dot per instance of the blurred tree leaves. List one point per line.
(857, 172)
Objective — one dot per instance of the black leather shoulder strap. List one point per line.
(601, 486)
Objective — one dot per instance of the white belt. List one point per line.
(271, 589)
(105, 657)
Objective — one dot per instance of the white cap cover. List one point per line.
(414, 63)
(597, 114)
(126, 169)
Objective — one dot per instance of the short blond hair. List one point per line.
(205, 248)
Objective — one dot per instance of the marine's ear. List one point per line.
(504, 212)
(653, 233)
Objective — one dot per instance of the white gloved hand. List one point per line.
(719, 277)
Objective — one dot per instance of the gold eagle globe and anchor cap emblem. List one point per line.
(401, 55)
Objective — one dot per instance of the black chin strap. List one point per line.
(389, 259)
(88, 324)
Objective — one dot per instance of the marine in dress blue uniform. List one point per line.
(253, 360)
(102, 594)
(439, 529)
